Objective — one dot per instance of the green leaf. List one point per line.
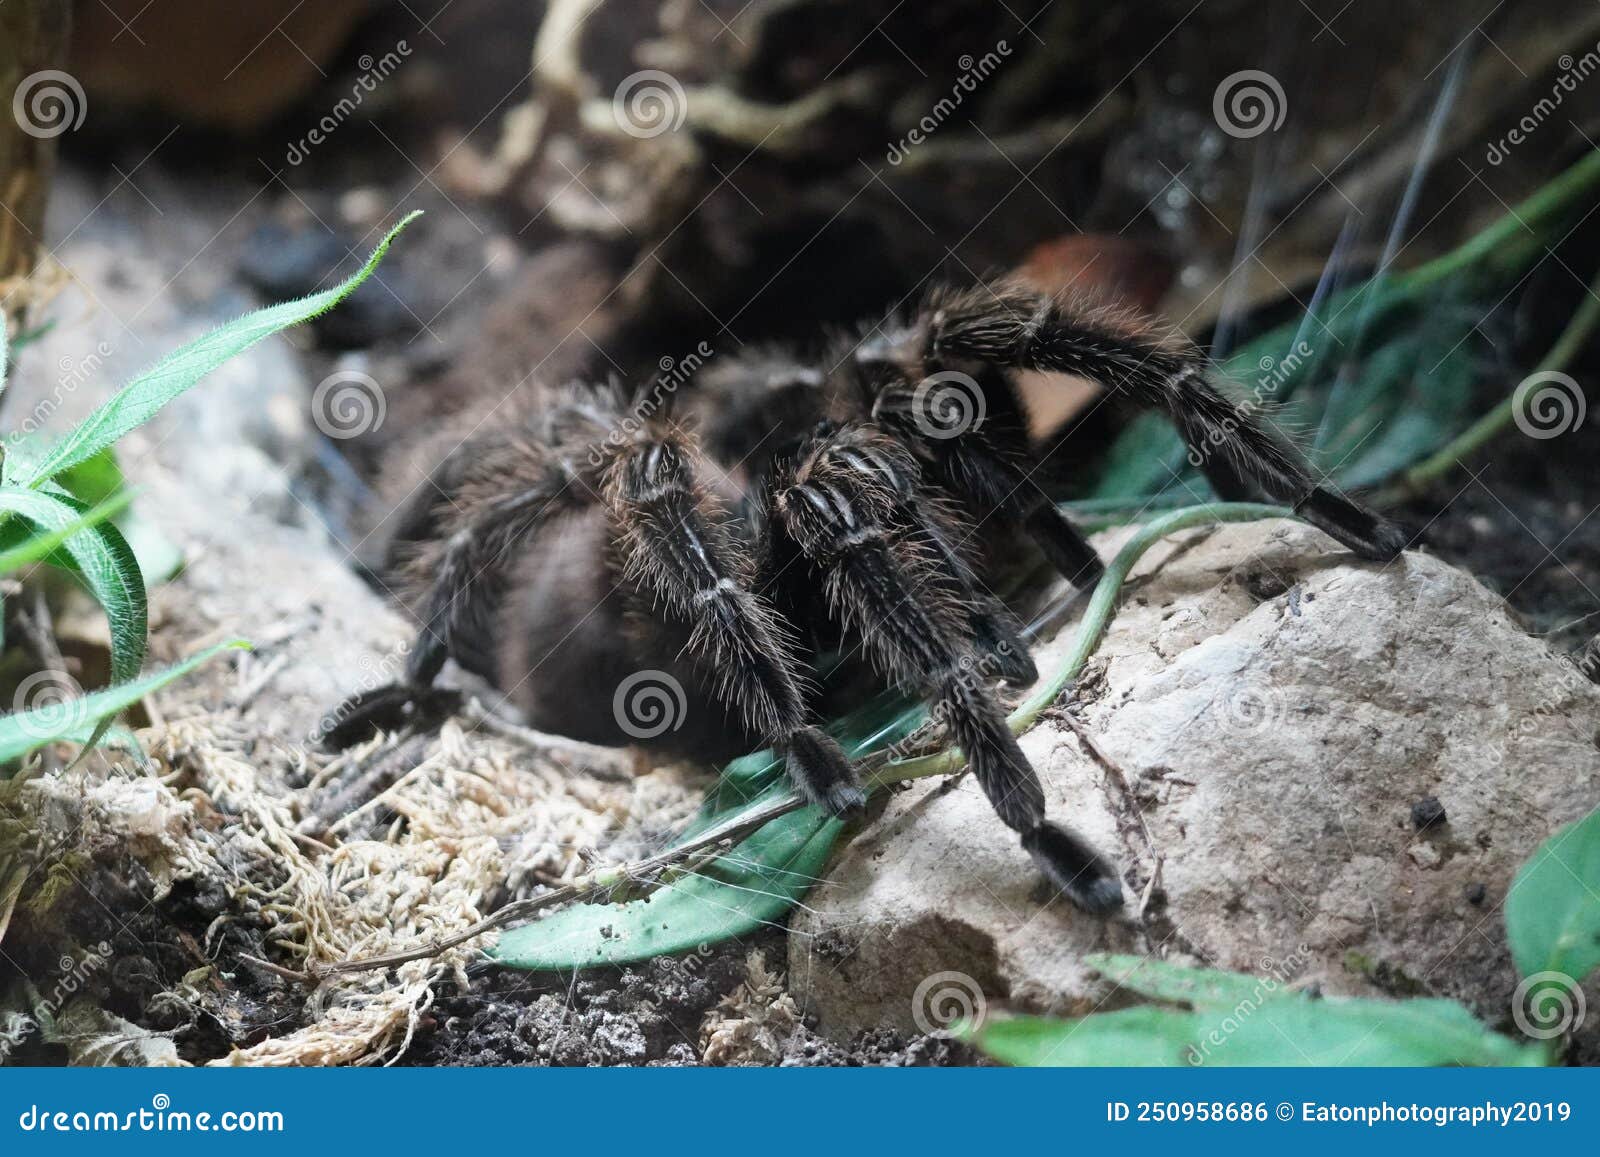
(101, 558)
(5, 351)
(1204, 989)
(1288, 1030)
(40, 546)
(1553, 908)
(755, 884)
(141, 398)
(1134, 1037)
(23, 732)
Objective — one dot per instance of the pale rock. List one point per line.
(1268, 751)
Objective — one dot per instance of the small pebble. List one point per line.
(1426, 812)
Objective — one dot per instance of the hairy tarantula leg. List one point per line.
(979, 464)
(460, 601)
(995, 630)
(674, 546)
(1013, 326)
(881, 584)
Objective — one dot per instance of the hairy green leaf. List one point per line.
(41, 546)
(141, 398)
(26, 730)
(101, 558)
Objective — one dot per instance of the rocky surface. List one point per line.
(1259, 739)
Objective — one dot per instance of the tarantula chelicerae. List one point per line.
(781, 511)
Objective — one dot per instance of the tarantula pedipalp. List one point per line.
(860, 499)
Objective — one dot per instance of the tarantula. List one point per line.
(778, 511)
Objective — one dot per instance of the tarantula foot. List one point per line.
(1086, 877)
(386, 708)
(1370, 535)
(1005, 652)
(822, 772)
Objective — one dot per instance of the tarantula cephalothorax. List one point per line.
(778, 511)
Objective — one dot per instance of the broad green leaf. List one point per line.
(1145, 1037)
(1346, 1033)
(99, 557)
(1283, 1031)
(1553, 908)
(5, 351)
(23, 732)
(754, 884)
(1204, 989)
(141, 398)
(41, 546)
